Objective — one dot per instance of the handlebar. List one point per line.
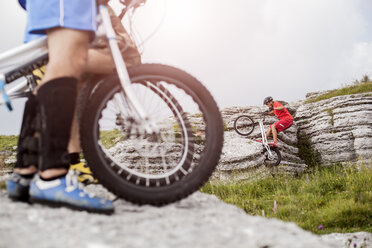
(267, 112)
(263, 114)
(136, 3)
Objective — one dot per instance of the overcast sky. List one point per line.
(242, 50)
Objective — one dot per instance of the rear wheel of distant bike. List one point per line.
(273, 159)
(153, 167)
(244, 125)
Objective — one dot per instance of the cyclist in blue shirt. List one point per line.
(69, 26)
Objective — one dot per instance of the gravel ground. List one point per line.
(201, 220)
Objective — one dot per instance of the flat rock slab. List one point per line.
(201, 220)
(358, 239)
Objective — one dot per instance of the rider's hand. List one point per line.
(268, 111)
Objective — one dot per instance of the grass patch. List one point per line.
(110, 138)
(7, 142)
(6, 147)
(330, 113)
(2, 185)
(225, 128)
(356, 88)
(338, 198)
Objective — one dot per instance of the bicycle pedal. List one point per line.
(87, 179)
(273, 145)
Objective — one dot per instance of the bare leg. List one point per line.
(68, 51)
(268, 132)
(275, 133)
(25, 171)
(98, 62)
(74, 143)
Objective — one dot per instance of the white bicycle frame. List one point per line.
(28, 53)
(16, 58)
(264, 139)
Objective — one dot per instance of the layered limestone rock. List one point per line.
(242, 156)
(340, 128)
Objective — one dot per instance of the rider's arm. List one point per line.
(279, 107)
(269, 112)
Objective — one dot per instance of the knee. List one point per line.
(79, 62)
(77, 59)
(70, 64)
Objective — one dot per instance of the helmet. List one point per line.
(267, 99)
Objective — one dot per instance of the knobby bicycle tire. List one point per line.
(85, 92)
(244, 125)
(277, 157)
(205, 155)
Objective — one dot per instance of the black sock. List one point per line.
(27, 176)
(74, 158)
(56, 105)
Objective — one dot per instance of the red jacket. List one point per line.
(281, 114)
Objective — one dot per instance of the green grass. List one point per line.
(6, 146)
(2, 185)
(349, 90)
(7, 142)
(109, 138)
(338, 198)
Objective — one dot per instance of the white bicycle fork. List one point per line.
(264, 139)
(138, 113)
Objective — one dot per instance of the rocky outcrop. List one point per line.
(242, 157)
(340, 128)
(357, 239)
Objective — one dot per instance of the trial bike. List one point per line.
(244, 125)
(151, 134)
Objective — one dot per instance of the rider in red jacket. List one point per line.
(285, 118)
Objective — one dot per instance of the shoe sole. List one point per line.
(19, 199)
(67, 205)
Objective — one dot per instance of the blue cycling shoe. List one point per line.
(18, 187)
(68, 192)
